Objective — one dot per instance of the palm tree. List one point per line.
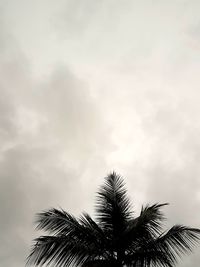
(117, 238)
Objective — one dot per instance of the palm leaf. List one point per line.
(60, 250)
(150, 219)
(177, 241)
(165, 249)
(146, 225)
(113, 205)
(70, 232)
(145, 258)
(56, 221)
(96, 235)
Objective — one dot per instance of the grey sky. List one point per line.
(91, 86)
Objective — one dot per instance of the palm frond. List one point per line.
(68, 232)
(145, 258)
(113, 205)
(165, 249)
(177, 241)
(96, 235)
(151, 218)
(60, 250)
(56, 222)
(147, 225)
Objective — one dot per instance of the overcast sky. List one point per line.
(91, 86)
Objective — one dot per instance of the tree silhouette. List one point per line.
(116, 238)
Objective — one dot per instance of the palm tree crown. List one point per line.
(116, 238)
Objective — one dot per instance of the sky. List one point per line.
(88, 87)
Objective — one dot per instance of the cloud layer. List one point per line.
(88, 88)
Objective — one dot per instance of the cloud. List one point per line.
(88, 88)
(51, 133)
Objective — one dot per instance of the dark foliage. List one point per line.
(117, 238)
